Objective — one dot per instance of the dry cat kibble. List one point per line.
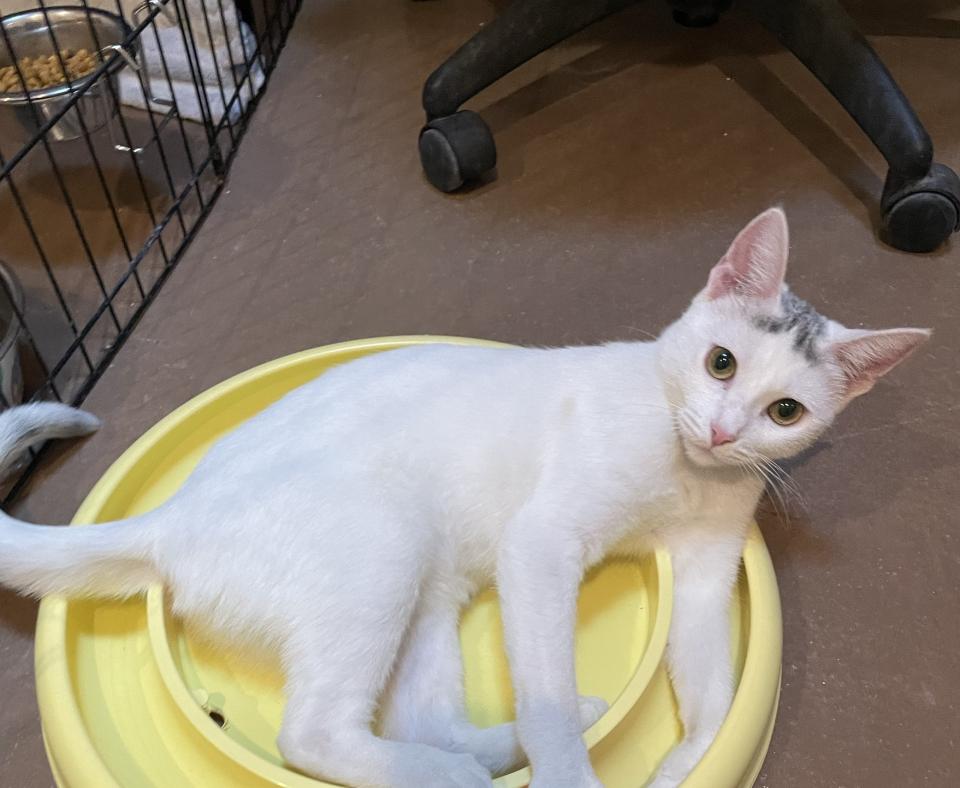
(47, 70)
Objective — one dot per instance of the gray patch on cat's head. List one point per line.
(799, 318)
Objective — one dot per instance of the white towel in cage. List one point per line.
(229, 71)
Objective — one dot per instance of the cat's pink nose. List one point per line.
(719, 436)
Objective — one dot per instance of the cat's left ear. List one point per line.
(866, 356)
(756, 262)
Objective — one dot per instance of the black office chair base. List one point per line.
(921, 201)
(457, 150)
(920, 215)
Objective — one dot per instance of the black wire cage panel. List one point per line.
(118, 122)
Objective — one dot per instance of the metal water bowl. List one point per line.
(37, 33)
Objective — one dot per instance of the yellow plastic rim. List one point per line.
(68, 637)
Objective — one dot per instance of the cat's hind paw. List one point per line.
(497, 748)
(450, 770)
(591, 710)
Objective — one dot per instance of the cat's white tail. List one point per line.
(102, 560)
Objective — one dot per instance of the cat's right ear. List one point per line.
(756, 262)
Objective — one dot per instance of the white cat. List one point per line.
(347, 525)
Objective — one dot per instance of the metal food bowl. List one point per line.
(38, 34)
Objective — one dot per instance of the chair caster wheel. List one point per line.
(702, 14)
(918, 216)
(695, 20)
(456, 149)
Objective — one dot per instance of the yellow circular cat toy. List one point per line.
(129, 698)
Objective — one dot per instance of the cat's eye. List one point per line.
(785, 412)
(721, 363)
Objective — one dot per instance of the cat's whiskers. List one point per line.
(778, 499)
(688, 421)
(787, 482)
(774, 494)
(776, 480)
(642, 332)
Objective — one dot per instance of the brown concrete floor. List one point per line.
(629, 158)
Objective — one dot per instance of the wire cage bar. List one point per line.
(119, 120)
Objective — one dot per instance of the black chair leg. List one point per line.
(921, 199)
(456, 146)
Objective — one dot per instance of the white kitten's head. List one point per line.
(753, 372)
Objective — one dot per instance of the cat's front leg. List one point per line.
(539, 570)
(705, 564)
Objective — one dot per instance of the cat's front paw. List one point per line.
(678, 764)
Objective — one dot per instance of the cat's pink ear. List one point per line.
(866, 356)
(756, 262)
